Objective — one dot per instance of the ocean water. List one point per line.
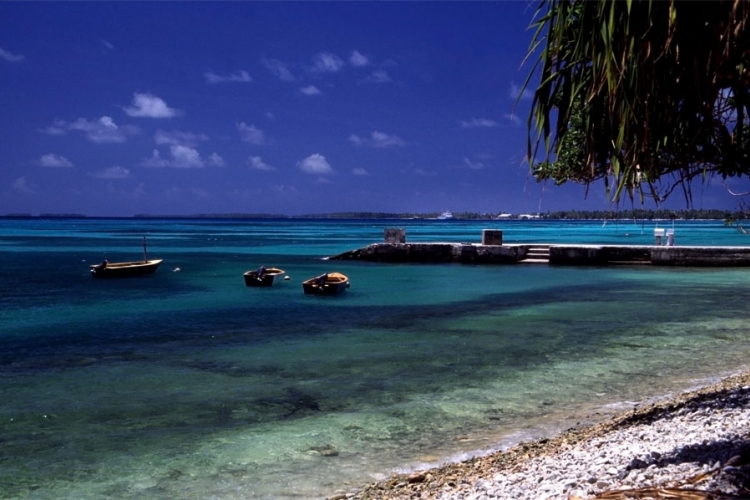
(187, 384)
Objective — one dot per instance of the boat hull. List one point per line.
(267, 279)
(125, 269)
(333, 284)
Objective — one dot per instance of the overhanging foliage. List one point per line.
(646, 95)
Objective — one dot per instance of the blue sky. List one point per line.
(120, 108)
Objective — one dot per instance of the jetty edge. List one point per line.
(562, 254)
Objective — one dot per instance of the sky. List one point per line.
(290, 108)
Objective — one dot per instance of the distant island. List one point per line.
(688, 214)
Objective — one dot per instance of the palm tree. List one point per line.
(646, 95)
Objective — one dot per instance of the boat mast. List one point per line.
(145, 253)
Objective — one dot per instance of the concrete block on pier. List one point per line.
(395, 235)
(492, 237)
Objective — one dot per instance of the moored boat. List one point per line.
(124, 269)
(263, 276)
(326, 284)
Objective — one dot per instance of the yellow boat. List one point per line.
(326, 284)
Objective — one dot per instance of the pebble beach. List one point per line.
(693, 446)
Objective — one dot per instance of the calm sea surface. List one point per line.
(187, 384)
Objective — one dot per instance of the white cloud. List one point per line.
(284, 189)
(186, 194)
(425, 173)
(155, 160)
(57, 128)
(377, 76)
(177, 137)
(4, 54)
(310, 90)
(279, 69)
(359, 171)
(113, 173)
(182, 156)
(257, 163)
(378, 140)
(474, 165)
(53, 160)
(215, 160)
(185, 157)
(479, 123)
(357, 59)
(150, 106)
(239, 76)
(326, 62)
(20, 185)
(315, 164)
(107, 45)
(381, 140)
(103, 130)
(515, 92)
(513, 119)
(140, 190)
(251, 134)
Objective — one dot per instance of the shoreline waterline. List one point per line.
(459, 479)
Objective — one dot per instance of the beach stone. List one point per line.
(658, 445)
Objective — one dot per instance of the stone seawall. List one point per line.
(434, 253)
(701, 256)
(472, 253)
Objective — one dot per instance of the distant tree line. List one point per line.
(687, 214)
(640, 214)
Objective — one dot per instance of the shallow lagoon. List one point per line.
(190, 385)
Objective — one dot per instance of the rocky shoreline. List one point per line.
(690, 447)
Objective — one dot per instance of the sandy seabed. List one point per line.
(689, 447)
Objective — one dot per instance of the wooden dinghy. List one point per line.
(263, 276)
(124, 269)
(326, 284)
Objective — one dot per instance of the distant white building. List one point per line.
(529, 216)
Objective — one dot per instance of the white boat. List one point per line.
(445, 215)
(126, 269)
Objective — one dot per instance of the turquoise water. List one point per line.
(187, 384)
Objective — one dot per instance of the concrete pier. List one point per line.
(472, 253)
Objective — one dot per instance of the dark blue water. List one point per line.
(187, 384)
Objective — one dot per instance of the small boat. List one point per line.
(445, 215)
(326, 284)
(263, 276)
(124, 269)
